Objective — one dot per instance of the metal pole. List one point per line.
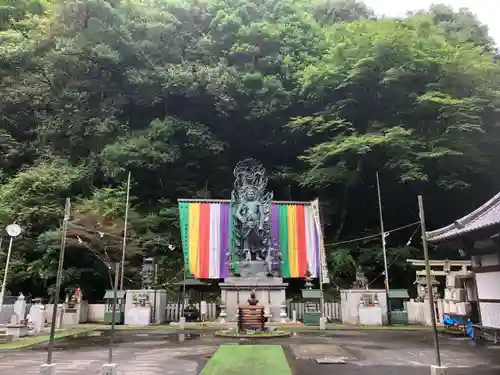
(67, 212)
(6, 273)
(382, 233)
(181, 313)
(429, 279)
(321, 276)
(155, 287)
(113, 318)
(124, 243)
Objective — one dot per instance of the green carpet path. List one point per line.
(248, 360)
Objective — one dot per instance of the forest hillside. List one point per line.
(323, 93)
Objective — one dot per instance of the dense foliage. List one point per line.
(323, 93)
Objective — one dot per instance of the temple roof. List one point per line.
(486, 216)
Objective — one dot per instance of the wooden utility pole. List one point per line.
(382, 233)
(124, 242)
(429, 279)
(64, 231)
(113, 318)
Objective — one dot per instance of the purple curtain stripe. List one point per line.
(224, 241)
(275, 236)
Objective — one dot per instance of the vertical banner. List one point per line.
(324, 279)
(294, 232)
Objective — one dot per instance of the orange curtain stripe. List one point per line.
(204, 240)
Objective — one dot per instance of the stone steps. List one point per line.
(4, 336)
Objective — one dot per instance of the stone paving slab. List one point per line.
(159, 361)
(422, 357)
(312, 351)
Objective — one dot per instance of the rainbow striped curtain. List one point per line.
(206, 239)
(294, 233)
(205, 235)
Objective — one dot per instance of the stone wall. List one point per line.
(350, 305)
(96, 313)
(420, 313)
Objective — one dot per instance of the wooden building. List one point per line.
(478, 235)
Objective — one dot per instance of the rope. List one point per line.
(394, 260)
(102, 234)
(373, 235)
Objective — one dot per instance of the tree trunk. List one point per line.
(345, 198)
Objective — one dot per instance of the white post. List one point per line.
(109, 369)
(48, 369)
(283, 314)
(6, 273)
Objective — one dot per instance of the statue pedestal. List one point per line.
(270, 291)
(254, 268)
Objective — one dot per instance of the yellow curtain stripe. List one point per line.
(194, 236)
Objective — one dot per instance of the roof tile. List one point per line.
(485, 216)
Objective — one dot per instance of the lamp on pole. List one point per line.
(13, 230)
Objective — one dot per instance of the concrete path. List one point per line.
(159, 352)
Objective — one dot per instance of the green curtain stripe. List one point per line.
(283, 233)
(184, 226)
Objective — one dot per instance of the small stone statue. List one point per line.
(308, 278)
(361, 280)
(269, 261)
(252, 301)
(79, 295)
(72, 302)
